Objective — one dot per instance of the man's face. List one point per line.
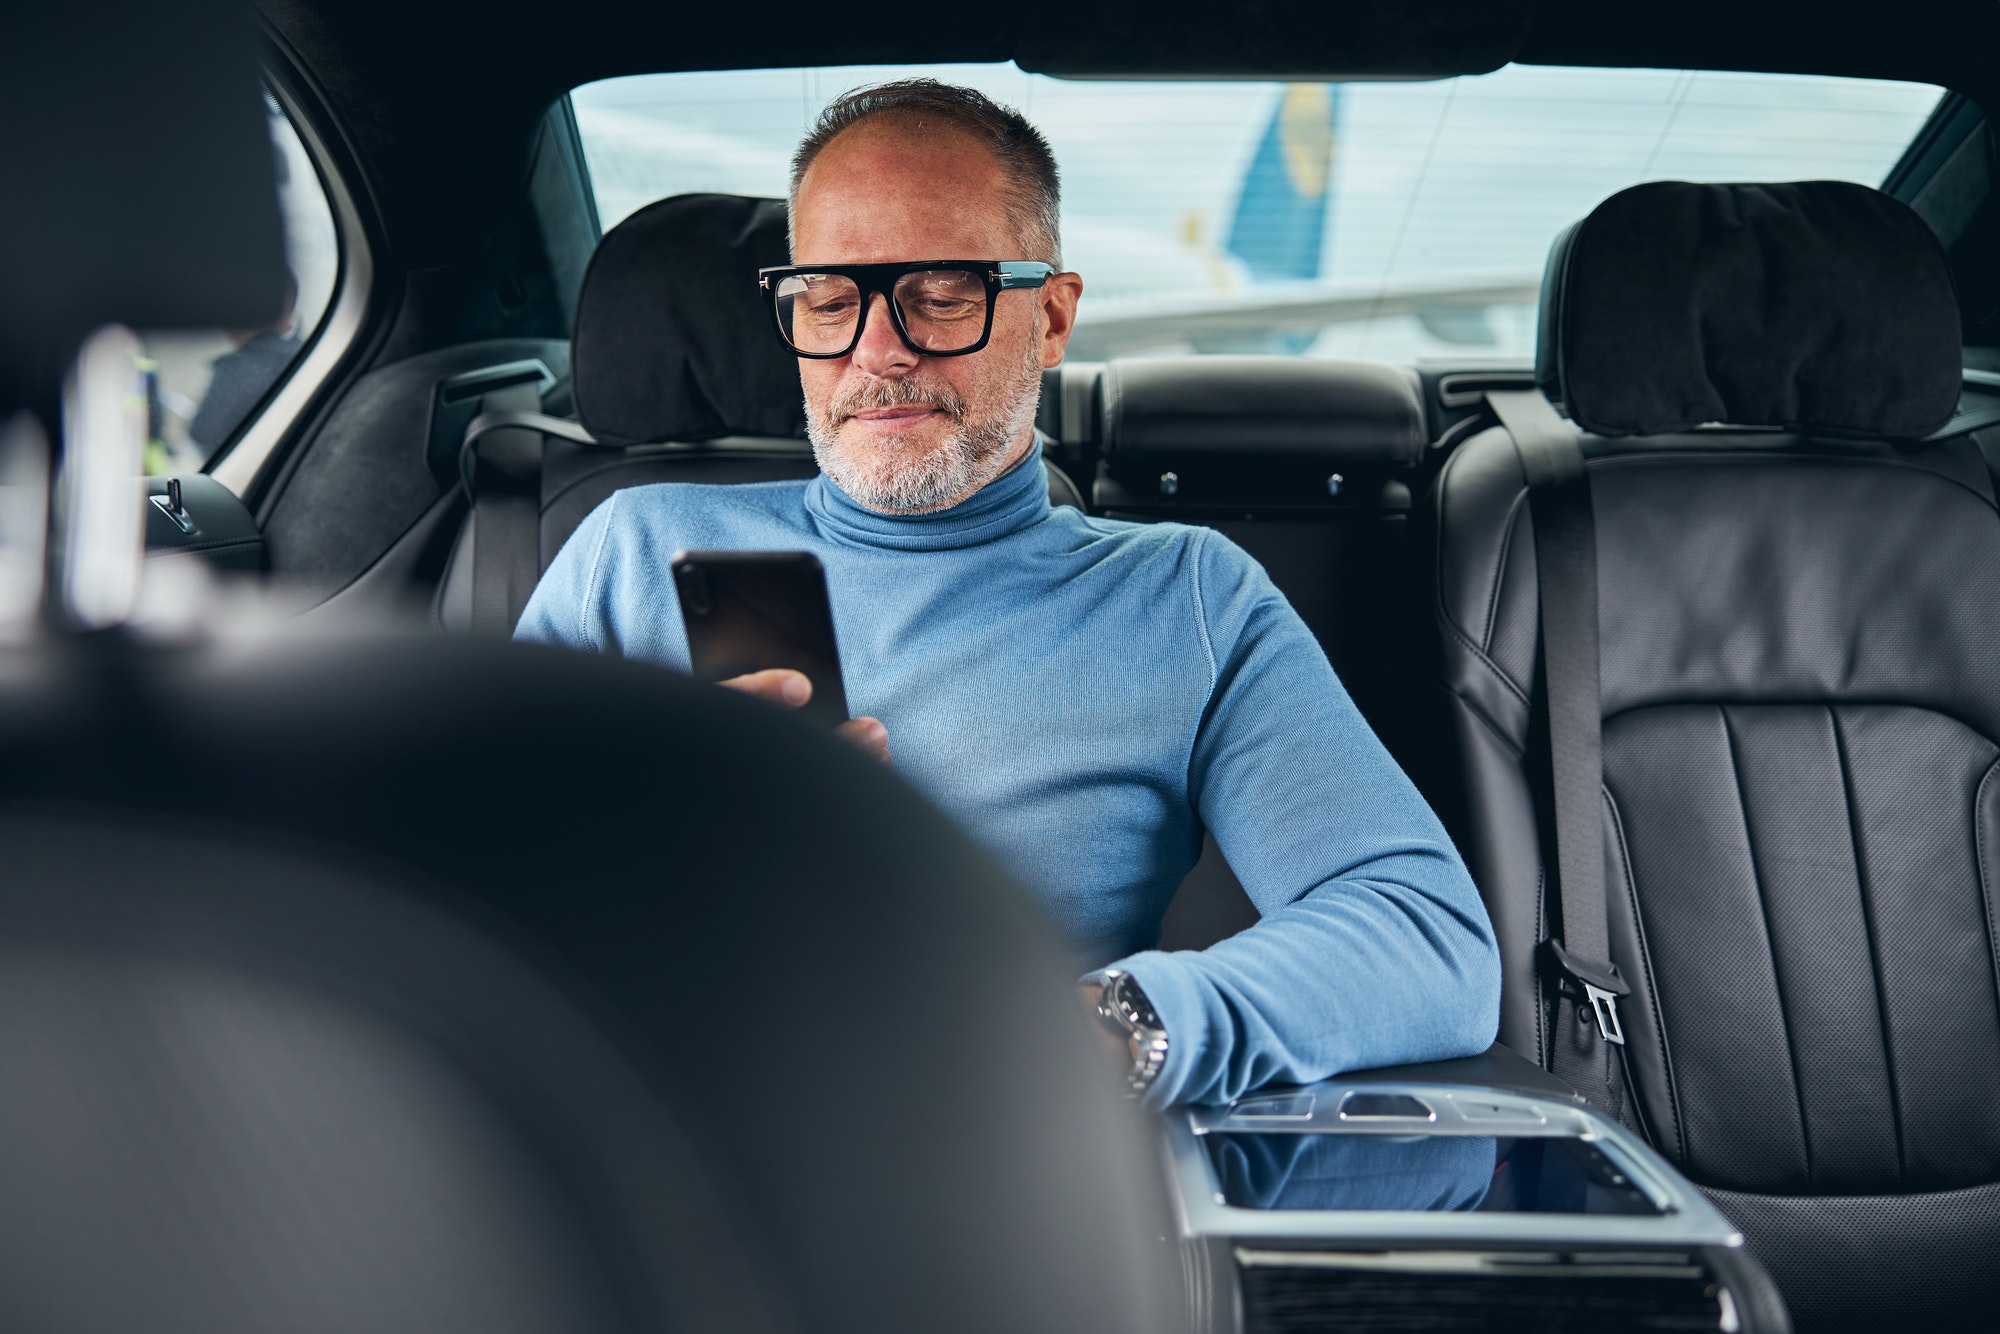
(898, 431)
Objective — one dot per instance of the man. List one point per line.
(1084, 695)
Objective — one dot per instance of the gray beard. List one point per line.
(971, 456)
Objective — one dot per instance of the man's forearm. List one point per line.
(1360, 972)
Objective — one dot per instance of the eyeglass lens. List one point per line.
(943, 310)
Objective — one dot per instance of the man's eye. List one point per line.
(943, 308)
(832, 308)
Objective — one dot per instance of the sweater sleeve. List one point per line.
(1373, 946)
(570, 605)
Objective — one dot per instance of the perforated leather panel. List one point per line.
(1878, 1261)
(1815, 929)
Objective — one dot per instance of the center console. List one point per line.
(1477, 1195)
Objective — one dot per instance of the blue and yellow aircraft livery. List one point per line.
(1280, 227)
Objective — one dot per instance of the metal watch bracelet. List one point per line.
(1125, 1007)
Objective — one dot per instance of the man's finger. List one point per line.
(869, 734)
(779, 685)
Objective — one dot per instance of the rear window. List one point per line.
(1382, 220)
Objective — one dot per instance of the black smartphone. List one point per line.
(748, 611)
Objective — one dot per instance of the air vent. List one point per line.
(1291, 1292)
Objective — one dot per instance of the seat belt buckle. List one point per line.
(1601, 988)
(1605, 1006)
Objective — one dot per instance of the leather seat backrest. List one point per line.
(1801, 720)
(449, 983)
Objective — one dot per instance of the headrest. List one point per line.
(1278, 408)
(672, 341)
(139, 179)
(1814, 305)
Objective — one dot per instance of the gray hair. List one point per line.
(1024, 157)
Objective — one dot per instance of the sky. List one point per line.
(1467, 177)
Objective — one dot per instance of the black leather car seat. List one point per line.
(399, 984)
(1800, 704)
(677, 377)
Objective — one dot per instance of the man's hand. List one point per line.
(789, 689)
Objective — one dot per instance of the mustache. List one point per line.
(904, 393)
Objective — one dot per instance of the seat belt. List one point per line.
(1587, 1029)
(502, 470)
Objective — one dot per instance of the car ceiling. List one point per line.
(438, 99)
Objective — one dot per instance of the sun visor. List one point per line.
(673, 341)
(1813, 305)
(140, 185)
(1276, 409)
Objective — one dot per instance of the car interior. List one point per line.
(369, 970)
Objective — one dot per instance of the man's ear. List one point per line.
(1059, 297)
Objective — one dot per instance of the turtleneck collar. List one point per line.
(1015, 500)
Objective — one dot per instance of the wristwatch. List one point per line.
(1124, 1007)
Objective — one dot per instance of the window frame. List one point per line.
(244, 463)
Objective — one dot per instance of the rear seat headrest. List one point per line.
(672, 341)
(1814, 305)
(1279, 408)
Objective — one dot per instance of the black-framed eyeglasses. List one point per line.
(940, 307)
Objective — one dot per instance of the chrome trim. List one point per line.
(1638, 1265)
(243, 465)
(1688, 1219)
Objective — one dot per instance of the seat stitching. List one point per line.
(1500, 568)
(1868, 926)
(1499, 733)
(1770, 947)
(1542, 1054)
(1541, 883)
(1444, 616)
(1971, 725)
(206, 544)
(1646, 969)
(1663, 458)
(1480, 656)
(1987, 889)
(613, 464)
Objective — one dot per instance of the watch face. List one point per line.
(1131, 1002)
(1120, 1000)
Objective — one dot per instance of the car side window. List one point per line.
(205, 385)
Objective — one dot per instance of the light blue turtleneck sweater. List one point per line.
(1084, 696)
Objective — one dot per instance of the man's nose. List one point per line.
(882, 350)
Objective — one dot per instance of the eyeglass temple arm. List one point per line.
(1022, 273)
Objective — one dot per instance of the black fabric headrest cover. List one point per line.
(1279, 407)
(672, 340)
(1814, 305)
(137, 183)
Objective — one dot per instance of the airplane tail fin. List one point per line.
(1280, 226)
